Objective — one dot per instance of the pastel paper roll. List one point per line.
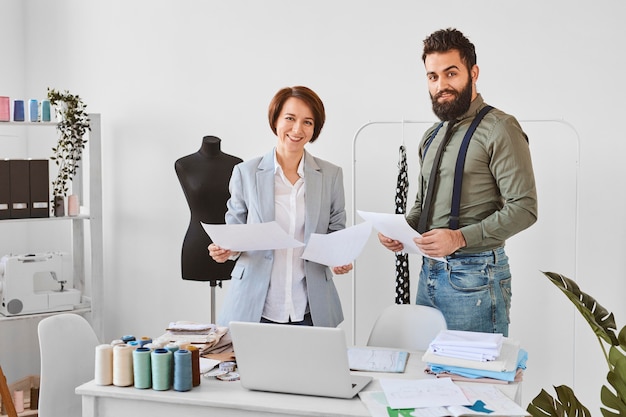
(104, 365)
(45, 110)
(73, 206)
(18, 400)
(5, 112)
(33, 110)
(18, 110)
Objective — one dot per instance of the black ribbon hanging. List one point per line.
(402, 259)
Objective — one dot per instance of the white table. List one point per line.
(225, 399)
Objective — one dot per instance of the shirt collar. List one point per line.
(278, 168)
(475, 106)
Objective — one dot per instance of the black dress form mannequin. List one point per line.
(204, 177)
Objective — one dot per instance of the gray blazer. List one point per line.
(252, 201)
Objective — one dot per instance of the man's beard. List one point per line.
(450, 110)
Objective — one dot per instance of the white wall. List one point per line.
(165, 73)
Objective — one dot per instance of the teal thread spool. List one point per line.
(182, 370)
(161, 369)
(142, 368)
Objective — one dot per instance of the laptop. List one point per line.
(294, 359)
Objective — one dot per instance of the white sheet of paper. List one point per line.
(417, 393)
(245, 237)
(396, 227)
(338, 248)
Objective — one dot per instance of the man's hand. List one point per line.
(440, 242)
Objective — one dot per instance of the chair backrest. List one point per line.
(406, 326)
(67, 345)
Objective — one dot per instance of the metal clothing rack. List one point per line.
(405, 122)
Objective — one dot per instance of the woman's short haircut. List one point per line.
(308, 96)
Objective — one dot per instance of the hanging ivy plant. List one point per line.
(73, 123)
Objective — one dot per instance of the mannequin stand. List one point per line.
(213, 285)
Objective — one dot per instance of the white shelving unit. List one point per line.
(86, 230)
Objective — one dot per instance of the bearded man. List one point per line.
(476, 189)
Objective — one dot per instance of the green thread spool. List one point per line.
(161, 369)
(142, 368)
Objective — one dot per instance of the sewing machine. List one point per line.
(37, 283)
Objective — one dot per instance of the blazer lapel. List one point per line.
(265, 188)
(313, 194)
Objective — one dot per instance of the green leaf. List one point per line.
(566, 404)
(599, 318)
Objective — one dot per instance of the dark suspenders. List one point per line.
(460, 163)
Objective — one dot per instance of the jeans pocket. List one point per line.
(465, 275)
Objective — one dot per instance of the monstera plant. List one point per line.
(602, 323)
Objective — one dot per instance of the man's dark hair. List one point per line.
(445, 40)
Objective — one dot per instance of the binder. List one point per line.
(39, 188)
(5, 189)
(19, 173)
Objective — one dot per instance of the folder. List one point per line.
(19, 173)
(5, 189)
(39, 188)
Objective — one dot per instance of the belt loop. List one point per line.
(495, 255)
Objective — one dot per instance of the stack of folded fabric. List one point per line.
(211, 339)
(475, 356)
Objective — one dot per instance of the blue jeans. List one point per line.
(473, 291)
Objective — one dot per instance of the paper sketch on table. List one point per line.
(494, 400)
(253, 236)
(395, 227)
(338, 248)
(419, 393)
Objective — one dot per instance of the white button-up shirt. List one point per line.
(287, 295)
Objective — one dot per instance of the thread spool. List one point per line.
(134, 344)
(142, 367)
(161, 369)
(195, 365)
(127, 338)
(117, 342)
(18, 400)
(104, 365)
(123, 365)
(182, 370)
(144, 340)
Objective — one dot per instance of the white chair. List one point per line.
(67, 346)
(406, 326)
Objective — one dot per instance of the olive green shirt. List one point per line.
(498, 197)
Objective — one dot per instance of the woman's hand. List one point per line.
(344, 269)
(219, 254)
